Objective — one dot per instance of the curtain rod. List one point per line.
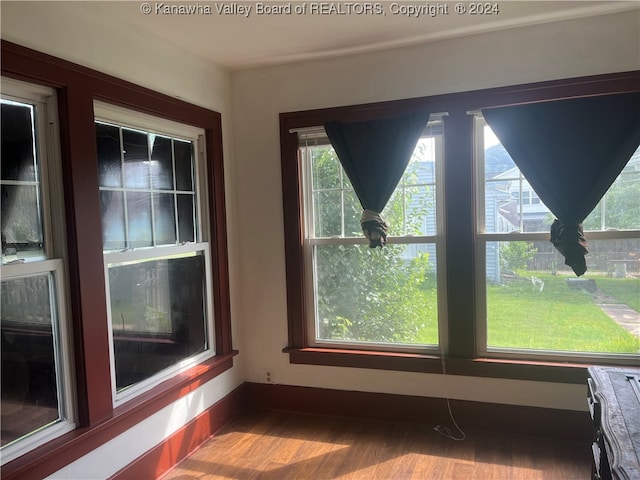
(320, 129)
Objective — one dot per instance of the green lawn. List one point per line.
(625, 290)
(558, 318)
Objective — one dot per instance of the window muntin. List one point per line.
(146, 188)
(364, 298)
(37, 399)
(156, 255)
(529, 301)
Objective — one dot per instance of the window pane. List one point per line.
(20, 215)
(186, 230)
(184, 165)
(411, 209)
(29, 386)
(620, 207)
(328, 213)
(109, 155)
(509, 204)
(352, 214)
(326, 168)
(419, 211)
(146, 210)
(366, 295)
(139, 219)
(136, 159)
(21, 223)
(394, 213)
(158, 315)
(535, 302)
(165, 218)
(161, 163)
(112, 209)
(18, 161)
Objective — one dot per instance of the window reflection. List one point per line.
(18, 157)
(161, 162)
(29, 385)
(20, 215)
(136, 159)
(109, 155)
(155, 203)
(158, 314)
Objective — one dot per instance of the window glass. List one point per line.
(140, 229)
(186, 220)
(162, 162)
(534, 301)
(375, 297)
(164, 206)
(158, 314)
(156, 263)
(135, 151)
(29, 381)
(510, 202)
(113, 227)
(184, 167)
(620, 207)
(35, 403)
(109, 155)
(21, 214)
(18, 154)
(149, 210)
(387, 296)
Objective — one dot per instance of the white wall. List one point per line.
(572, 48)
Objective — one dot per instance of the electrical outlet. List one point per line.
(268, 376)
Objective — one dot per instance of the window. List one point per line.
(501, 292)
(372, 298)
(155, 249)
(531, 302)
(56, 265)
(37, 399)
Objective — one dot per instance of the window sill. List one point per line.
(560, 372)
(51, 457)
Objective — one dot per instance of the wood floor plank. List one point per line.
(267, 445)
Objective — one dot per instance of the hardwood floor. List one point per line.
(279, 446)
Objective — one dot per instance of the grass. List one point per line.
(624, 290)
(428, 333)
(558, 318)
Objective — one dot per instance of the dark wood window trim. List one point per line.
(77, 88)
(462, 357)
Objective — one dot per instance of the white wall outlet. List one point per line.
(269, 376)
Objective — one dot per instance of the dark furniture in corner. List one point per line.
(614, 404)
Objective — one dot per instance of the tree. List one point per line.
(516, 255)
(621, 207)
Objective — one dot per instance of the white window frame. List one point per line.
(310, 242)
(125, 118)
(481, 240)
(53, 262)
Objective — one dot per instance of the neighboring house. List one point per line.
(511, 204)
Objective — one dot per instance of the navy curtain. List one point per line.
(374, 155)
(570, 152)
